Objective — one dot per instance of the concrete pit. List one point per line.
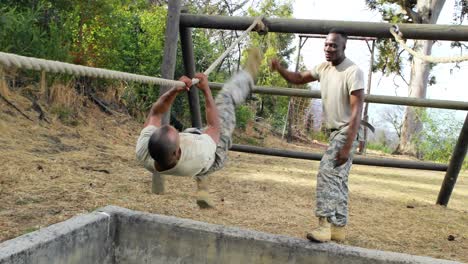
(116, 235)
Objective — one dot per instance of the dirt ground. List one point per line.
(52, 172)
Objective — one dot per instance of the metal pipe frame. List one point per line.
(311, 26)
(394, 163)
(379, 99)
(189, 63)
(318, 36)
(355, 29)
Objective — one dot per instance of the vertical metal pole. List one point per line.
(291, 99)
(167, 71)
(189, 64)
(362, 145)
(454, 167)
(299, 53)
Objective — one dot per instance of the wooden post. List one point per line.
(454, 167)
(158, 183)
(170, 47)
(167, 70)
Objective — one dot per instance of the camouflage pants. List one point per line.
(234, 92)
(332, 181)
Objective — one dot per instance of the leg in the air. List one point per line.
(234, 93)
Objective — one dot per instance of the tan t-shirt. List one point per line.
(336, 84)
(198, 153)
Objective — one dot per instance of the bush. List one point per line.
(321, 136)
(439, 136)
(66, 115)
(25, 32)
(243, 115)
(379, 147)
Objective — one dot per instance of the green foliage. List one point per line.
(65, 114)
(206, 51)
(151, 41)
(121, 35)
(388, 60)
(138, 98)
(379, 147)
(394, 12)
(281, 43)
(31, 229)
(23, 33)
(439, 136)
(252, 141)
(273, 45)
(321, 136)
(280, 106)
(243, 116)
(128, 35)
(381, 142)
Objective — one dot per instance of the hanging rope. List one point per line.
(398, 37)
(8, 60)
(207, 72)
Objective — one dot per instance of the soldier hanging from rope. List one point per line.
(194, 152)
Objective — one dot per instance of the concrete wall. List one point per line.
(82, 239)
(121, 236)
(150, 238)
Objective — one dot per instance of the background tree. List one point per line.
(410, 11)
(393, 116)
(273, 45)
(128, 35)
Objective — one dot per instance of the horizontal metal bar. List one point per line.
(311, 26)
(379, 99)
(394, 163)
(324, 36)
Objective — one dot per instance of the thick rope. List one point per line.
(9, 60)
(398, 37)
(226, 52)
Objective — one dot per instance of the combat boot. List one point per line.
(338, 233)
(322, 233)
(203, 195)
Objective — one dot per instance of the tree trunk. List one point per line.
(412, 124)
(428, 12)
